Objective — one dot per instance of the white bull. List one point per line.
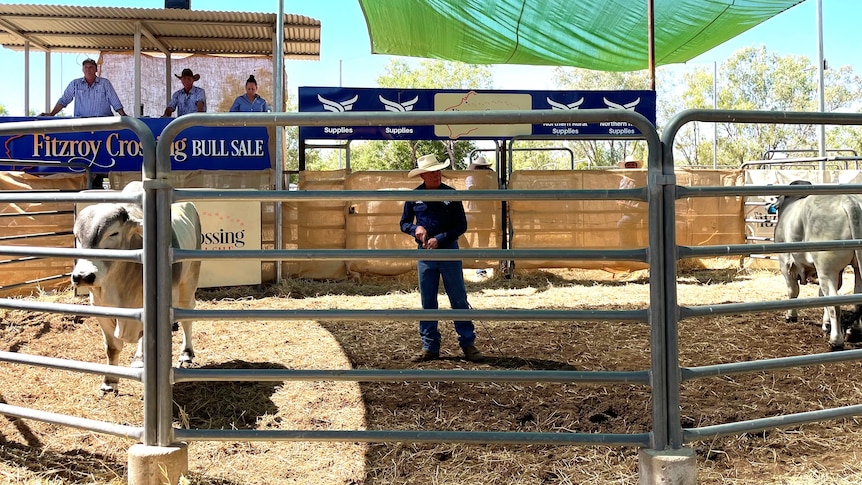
(820, 218)
(120, 283)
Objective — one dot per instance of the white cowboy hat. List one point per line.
(428, 163)
(481, 160)
(630, 162)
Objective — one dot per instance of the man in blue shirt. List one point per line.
(93, 96)
(189, 98)
(438, 225)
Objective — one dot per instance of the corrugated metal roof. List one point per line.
(74, 29)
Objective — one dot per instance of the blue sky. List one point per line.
(346, 50)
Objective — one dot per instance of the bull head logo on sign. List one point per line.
(396, 106)
(337, 107)
(629, 106)
(555, 105)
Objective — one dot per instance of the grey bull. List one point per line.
(815, 218)
(120, 283)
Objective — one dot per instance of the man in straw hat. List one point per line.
(93, 95)
(438, 225)
(188, 99)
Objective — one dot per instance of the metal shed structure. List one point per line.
(57, 28)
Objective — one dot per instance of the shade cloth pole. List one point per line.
(278, 66)
(821, 65)
(651, 35)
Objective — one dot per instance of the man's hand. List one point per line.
(422, 235)
(430, 244)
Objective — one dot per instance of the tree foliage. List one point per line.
(755, 79)
(427, 74)
(435, 74)
(600, 152)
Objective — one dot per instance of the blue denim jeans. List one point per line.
(430, 273)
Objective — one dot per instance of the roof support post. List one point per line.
(278, 76)
(47, 81)
(138, 108)
(26, 78)
(167, 81)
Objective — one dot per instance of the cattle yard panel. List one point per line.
(677, 374)
(664, 376)
(644, 377)
(148, 433)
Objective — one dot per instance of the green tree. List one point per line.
(428, 74)
(755, 79)
(291, 142)
(541, 155)
(601, 152)
(435, 74)
(3, 110)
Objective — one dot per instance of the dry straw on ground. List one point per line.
(37, 453)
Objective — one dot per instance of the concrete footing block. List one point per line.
(667, 467)
(158, 465)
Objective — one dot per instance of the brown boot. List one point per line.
(472, 354)
(425, 356)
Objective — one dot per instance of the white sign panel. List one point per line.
(229, 226)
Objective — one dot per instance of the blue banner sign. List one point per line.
(321, 99)
(196, 148)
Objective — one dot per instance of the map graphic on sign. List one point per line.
(473, 101)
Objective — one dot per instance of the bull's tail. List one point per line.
(853, 208)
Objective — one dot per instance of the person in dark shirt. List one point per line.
(438, 225)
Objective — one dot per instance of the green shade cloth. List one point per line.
(606, 35)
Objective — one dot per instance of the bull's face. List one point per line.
(103, 226)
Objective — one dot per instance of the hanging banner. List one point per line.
(196, 148)
(339, 100)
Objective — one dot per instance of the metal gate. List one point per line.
(664, 375)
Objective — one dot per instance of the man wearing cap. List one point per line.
(479, 214)
(93, 96)
(438, 225)
(633, 214)
(188, 99)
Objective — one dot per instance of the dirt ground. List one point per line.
(32, 452)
